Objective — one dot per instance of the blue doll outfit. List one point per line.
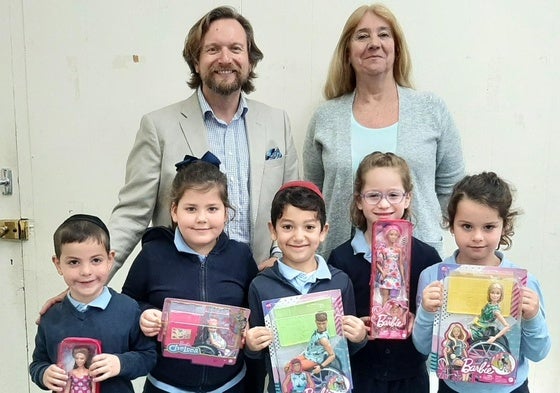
(315, 351)
(299, 382)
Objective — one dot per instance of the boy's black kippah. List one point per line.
(86, 217)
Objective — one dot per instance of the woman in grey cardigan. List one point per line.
(371, 106)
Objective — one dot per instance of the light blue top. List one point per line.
(367, 140)
(535, 341)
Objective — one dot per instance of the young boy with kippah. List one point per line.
(298, 225)
(83, 257)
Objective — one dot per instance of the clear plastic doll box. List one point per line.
(205, 333)
(71, 345)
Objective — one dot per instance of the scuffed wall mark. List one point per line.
(124, 61)
(74, 75)
(520, 120)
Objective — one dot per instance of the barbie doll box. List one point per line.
(390, 278)
(309, 353)
(74, 356)
(206, 333)
(477, 332)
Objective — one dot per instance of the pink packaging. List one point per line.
(72, 353)
(477, 332)
(390, 278)
(205, 333)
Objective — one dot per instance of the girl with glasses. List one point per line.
(383, 189)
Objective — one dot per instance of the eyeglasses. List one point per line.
(375, 197)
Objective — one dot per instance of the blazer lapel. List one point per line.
(192, 126)
(257, 137)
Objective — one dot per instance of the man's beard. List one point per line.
(222, 87)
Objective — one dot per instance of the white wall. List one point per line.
(494, 62)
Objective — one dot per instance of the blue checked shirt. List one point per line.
(229, 143)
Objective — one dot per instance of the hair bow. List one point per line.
(207, 157)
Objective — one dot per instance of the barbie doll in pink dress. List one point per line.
(390, 260)
(79, 380)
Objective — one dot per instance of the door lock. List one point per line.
(6, 181)
(14, 229)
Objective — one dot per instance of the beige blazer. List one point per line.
(164, 137)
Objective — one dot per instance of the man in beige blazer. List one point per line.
(222, 55)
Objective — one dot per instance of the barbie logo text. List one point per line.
(482, 368)
(389, 321)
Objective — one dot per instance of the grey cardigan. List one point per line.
(427, 139)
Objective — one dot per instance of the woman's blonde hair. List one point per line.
(341, 78)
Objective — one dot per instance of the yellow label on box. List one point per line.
(469, 294)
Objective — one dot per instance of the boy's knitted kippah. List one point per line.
(302, 183)
(86, 217)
